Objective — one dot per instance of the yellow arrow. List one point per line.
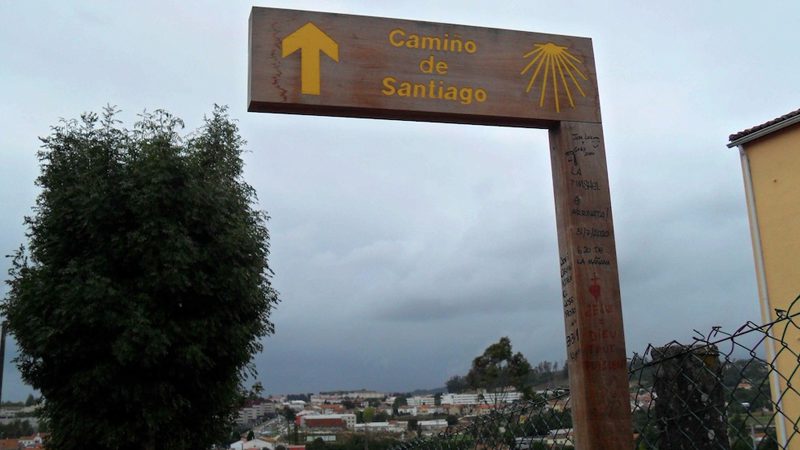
(310, 40)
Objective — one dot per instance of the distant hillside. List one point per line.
(434, 391)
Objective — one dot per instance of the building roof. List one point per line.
(312, 422)
(253, 444)
(330, 416)
(765, 128)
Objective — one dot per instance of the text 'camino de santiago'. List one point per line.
(435, 64)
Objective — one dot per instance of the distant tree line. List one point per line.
(354, 442)
(16, 429)
(30, 401)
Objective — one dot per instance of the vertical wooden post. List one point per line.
(376, 55)
(598, 375)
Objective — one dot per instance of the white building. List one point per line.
(459, 399)
(560, 437)
(319, 399)
(486, 397)
(432, 425)
(324, 437)
(297, 405)
(386, 427)
(365, 395)
(252, 413)
(254, 444)
(502, 397)
(421, 400)
(31, 441)
(407, 410)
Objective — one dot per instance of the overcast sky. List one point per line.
(401, 250)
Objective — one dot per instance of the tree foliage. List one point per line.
(356, 442)
(547, 373)
(290, 416)
(348, 404)
(457, 384)
(498, 368)
(145, 288)
(452, 420)
(15, 429)
(316, 444)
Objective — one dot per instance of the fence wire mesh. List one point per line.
(736, 390)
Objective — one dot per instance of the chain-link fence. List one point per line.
(724, 391)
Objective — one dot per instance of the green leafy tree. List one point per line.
(369, 414)
(770, 441)
(304, 397)
(399, 400)
(255, 391)
(457, 384)
(452, 420)
(357, 442)
(498, 368)
(145, 289)
(290, 416)
(316, 444)
(15, 429)
(739, 432)
(12, 404)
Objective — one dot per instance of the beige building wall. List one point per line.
(771, 167)
(775, 172)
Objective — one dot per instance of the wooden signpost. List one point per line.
(315, 63)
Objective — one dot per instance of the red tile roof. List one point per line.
(775, 121)
(9, 444)
(312, 422)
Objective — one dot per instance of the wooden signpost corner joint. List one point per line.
(304, 62)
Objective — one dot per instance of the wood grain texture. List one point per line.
(356, 85)
(598, 369)
(498, 77)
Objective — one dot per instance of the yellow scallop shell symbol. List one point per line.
(554, 65)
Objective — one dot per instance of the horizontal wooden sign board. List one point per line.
(332, 64)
